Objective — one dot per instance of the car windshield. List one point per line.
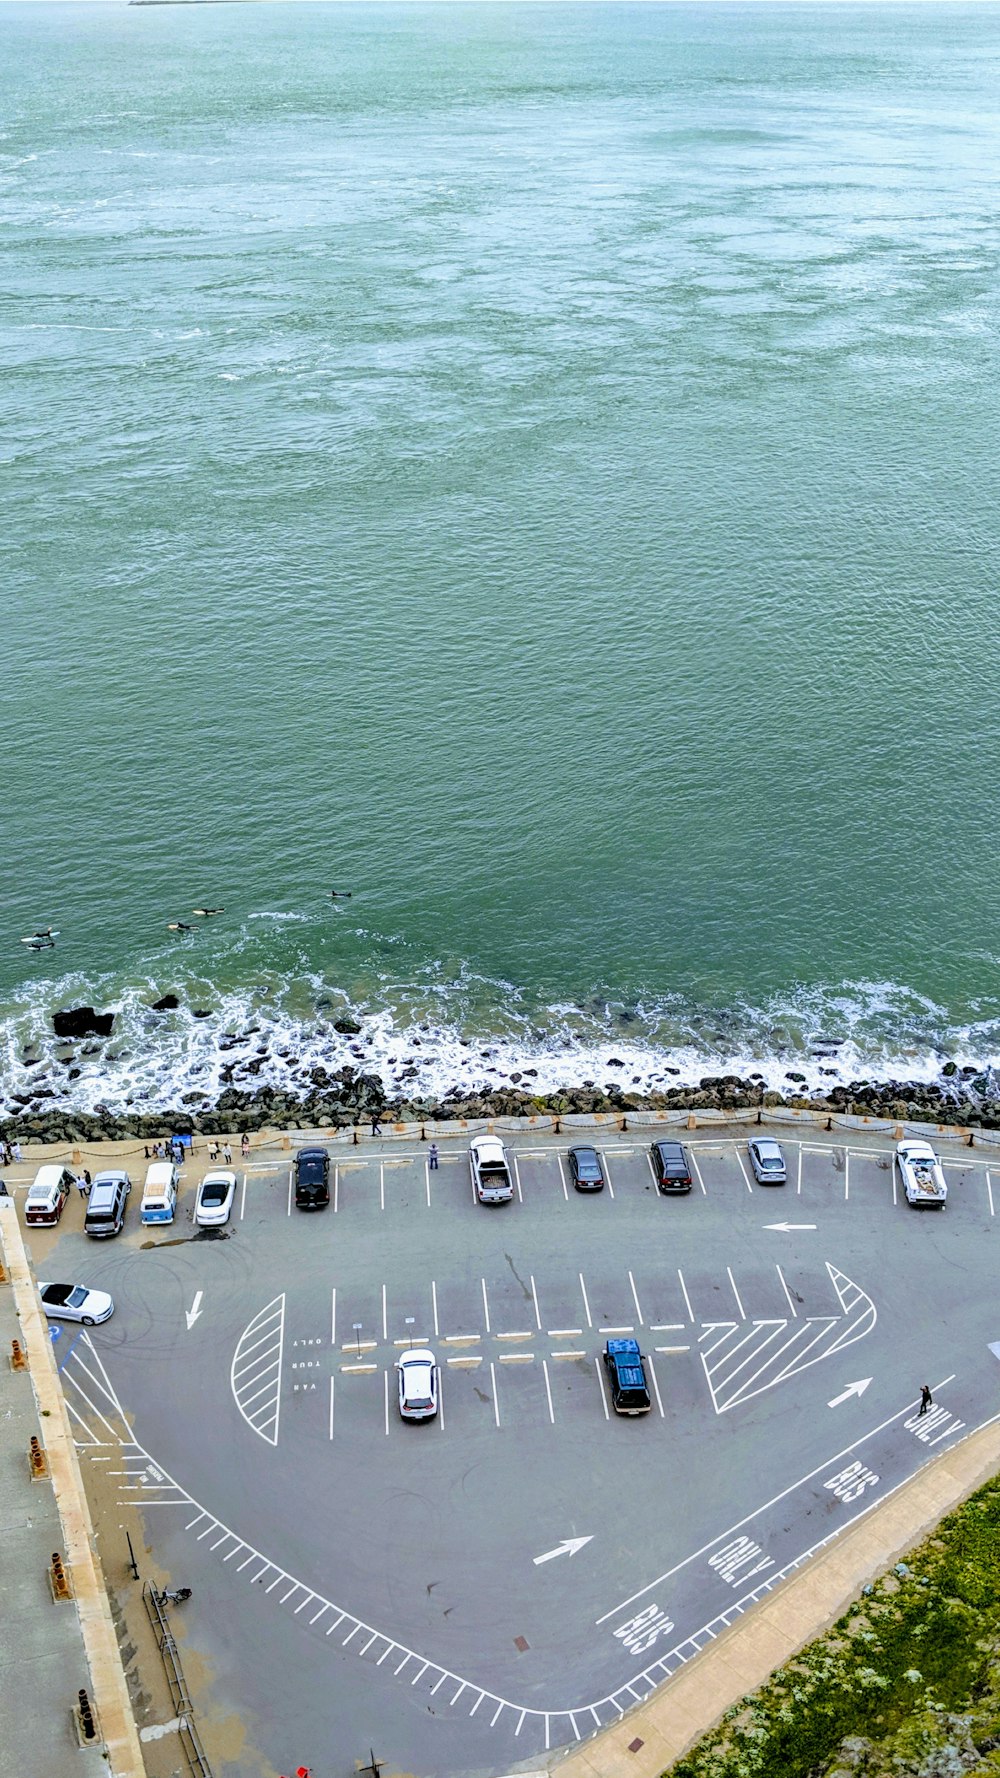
(214, 1194)
(770, 1160)
(101, 1215)
(77, 1296)
(419, 1401)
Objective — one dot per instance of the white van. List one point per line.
(159, 1194)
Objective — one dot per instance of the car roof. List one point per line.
(313, 1154)
(48, 1176)
(584, 1148)
(670, 1143)
(43, 1188)
(488, 1145)
(766, 1145)
(416, 1358)
(219, 1177)
(160, 1172)
(111, 1177)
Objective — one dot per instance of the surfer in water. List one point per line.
(177, 926)
(341, 894)
(42, 940)
(206, 913)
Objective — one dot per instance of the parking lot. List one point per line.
(468, 1593)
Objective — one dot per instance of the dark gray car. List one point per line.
(586, 1170)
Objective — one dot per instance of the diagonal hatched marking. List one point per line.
(256, 1370)
(783, 1347)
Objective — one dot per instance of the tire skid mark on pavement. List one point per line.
(255, 1373)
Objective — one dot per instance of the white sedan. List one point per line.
(74, 1302)
(922, 1175)
(214, 1202)
(418, 1384)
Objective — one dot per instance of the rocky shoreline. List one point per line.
(349, 1096)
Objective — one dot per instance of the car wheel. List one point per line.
(88, 1320)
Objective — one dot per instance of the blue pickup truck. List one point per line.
(627, 1377)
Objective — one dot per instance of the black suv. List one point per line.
(312, 1179)
(671, 1167)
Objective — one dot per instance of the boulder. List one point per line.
(347, 1027)
(166, 1003)
(82, 1021)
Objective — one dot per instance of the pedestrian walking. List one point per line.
(227, 1155)
(82, 1184)
(376, 1126)
(146, 1152)
(245, 1146)
(4, 1155)
(432, 1157)
(15, 1153)
(926, 1399)
(213, 1150)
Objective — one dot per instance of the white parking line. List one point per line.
(434, 1306)
(548, 1392)
(847, 1174)
(333, 1316)
(517, 1179)
(586, 1305)
(798, 1186)
(385, 1316)
(989, 1188)
(336, 1185)
(562, 1175)
(607, 1172)
(656, 1386)
(243, 1198)
(697, 1173)
(288, 1211)
(600, 1385)
(892, 1170)
(427, 1182)
(381, 1185)
(534, 1298)
(385, 1378)
(687, 1299)
(331, 1406)
(746, 1176)
(496, 1402)
(666, 1326)
(486, 1305)
(635, 1299)
(739, 1305)
(784, 1286)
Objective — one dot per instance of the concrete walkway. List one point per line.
(656, 1733)
(50, 1651)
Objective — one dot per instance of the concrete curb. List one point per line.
(110, 1692)
(650, 1738)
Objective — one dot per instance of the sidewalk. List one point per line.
(49, 1651)
(656, 1733)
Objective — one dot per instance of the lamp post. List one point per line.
(357, 1326)
(409, 1336)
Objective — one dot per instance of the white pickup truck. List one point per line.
(921, 1174)
(490, 1170)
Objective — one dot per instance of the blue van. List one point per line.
(159, 1194)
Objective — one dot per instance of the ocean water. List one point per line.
(533, 466)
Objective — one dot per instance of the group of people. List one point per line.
(10, 1154)
(173, 1150)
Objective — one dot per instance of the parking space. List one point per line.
(784, 1332)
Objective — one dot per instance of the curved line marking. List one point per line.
(254, 1359)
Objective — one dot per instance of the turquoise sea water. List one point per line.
(533, 466)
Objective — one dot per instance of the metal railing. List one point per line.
(190, 1739)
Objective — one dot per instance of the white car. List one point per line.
(214, 1202)
(767, 1160)
(74, 1302)
(491, 1175)
(418, 1384)
(922, 1174)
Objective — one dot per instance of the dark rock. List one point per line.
(347, 1027)
(166, 1003)
(949, 1069)
(200, 1013)
(799, 1078)
(82, 1021)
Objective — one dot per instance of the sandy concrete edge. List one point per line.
(695, 1698)
(109, 1690)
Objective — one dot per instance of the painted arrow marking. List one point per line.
(852, 1389)
(191, 1315)
(785, 1228)
(568, 1547)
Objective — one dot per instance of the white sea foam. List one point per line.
(426, 1040)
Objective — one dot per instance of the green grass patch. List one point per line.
(907, 1681)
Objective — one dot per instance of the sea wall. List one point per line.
(353, 1099)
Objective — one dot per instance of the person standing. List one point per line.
(83, 1184)
(432, 1157)
(227, 1155)
(245, 1147)
(213, 1150)
(15, 1152)
(926, 1398)
(376, 1125)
